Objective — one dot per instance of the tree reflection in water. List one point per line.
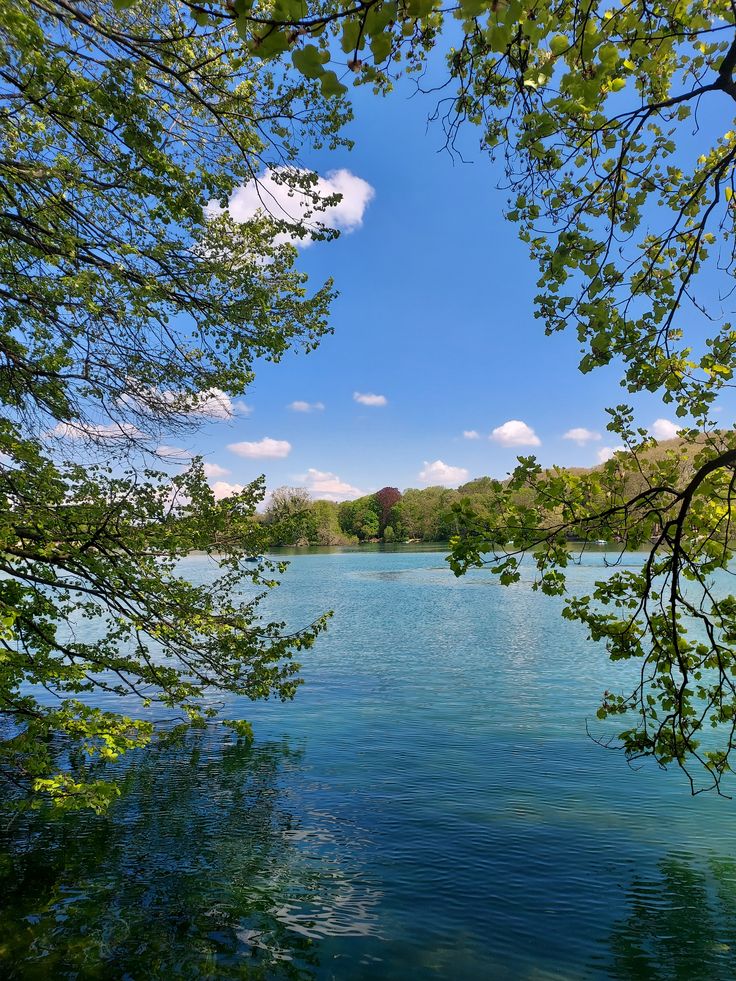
(199, 871)
(682, 925)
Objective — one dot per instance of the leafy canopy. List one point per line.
(133, 306)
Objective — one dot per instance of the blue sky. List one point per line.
(436, 315)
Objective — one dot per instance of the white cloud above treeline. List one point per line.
(327, 486)
(269, 194)
(262, 449)
(300, 406)
(439, 472)
(664, 429)
(368, 398)
(515, 433)
(222, 489)
(581, 435)
(605, 453)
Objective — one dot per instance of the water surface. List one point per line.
(429, 806)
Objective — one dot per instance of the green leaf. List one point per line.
(308, 61)
(331, 86)
(381, 47)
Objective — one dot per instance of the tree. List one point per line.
(133, 306)
(386, 497)
(626, 199)
(360, 517)
(289, 517)
(327, 526)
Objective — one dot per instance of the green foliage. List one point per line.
(289, 517)
(130, 302)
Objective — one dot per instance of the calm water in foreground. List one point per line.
(429, 807)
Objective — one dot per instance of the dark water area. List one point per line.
(429, 806)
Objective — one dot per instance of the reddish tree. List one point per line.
(385, 498)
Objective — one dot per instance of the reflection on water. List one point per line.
(199, 871)
(429, 807)
(682, 924)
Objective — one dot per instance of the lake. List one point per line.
(429, 806)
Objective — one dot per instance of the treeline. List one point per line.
(429, 515)
(426, 515)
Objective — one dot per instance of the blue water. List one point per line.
(429, 806)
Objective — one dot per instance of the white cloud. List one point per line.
(328, 486)
(515, 433)
(173, 453)
(269, 194)
(471, 434)
(442, 473)
(222, 489)
(213, 403)
(214, 470)
(581, 435)
(265, 448)
(300, 406)
(606, 452)
(368, 398)
(112, 430)
(664, 429)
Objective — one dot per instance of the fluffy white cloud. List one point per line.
(269, 194)
(213, 403)
(214, 470)
(663, 429)
(471, 434)
(368, 398)
(581, 435)
(299, 406)
(112, 430)
(265, 448)
(606, 452)
(222, 489)
(328, 486)
(515, 433)
(442, 473)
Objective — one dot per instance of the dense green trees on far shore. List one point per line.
(429, 514)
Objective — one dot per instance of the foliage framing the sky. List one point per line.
(593, 108)
(131, 304)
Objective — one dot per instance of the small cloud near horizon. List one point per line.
(222, 489)
(368, 398)
(439, 472)
(263, 449)
(326, 486)
(581, 435)
(605, 453)
(301, 406)
(515, 433)
(664, 429)
(471, 434)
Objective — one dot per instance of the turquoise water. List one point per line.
(429, 806)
